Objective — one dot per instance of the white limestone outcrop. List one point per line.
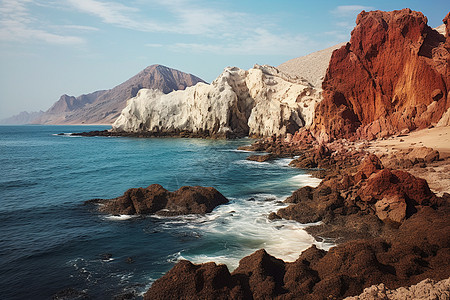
(259, 102)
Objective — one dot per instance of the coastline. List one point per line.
(358, 227)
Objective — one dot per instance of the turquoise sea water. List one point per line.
(49, 241)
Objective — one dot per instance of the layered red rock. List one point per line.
(394, 74)
(157, 200)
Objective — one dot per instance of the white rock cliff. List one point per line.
(259, 102)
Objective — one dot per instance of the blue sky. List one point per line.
(49, 48)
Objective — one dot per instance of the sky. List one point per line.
(49, 48)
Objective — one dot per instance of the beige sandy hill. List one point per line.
(312, 67)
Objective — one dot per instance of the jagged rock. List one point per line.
(417, 250)
(259, 102)
(388, 183)
(188, 281)
(386, 79)
(157, 200)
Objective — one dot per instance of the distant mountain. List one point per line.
(22, 118)
(103, 107)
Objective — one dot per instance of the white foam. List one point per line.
(236, 150)
(252, 163)
(283, 162)
(242, 227)
(306, 180)
(119, 217)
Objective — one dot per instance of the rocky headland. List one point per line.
(155, 199)
(390, 227)
(392, 76)
(259, 102)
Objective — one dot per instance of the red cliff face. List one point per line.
(393, 75)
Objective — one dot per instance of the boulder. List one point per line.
(157, 200)
(397, 184)
(188, 281)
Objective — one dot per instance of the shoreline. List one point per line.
(358, 227)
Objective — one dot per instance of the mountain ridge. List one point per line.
(104, 106)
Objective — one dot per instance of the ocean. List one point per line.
(50, 241)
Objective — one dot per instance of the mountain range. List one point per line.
(104, 106)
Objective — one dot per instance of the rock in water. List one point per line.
(393, 75)
(259, 102)
(157, 200)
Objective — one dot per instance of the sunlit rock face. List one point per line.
(392, 76)
(259, 102)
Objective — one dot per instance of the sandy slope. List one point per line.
(312, 67)
(437, 174)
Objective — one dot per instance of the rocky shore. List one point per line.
(152, 134)
(390, 228)
(390, 225)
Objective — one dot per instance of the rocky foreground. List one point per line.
(391, 229)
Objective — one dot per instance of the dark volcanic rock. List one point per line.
(157, 200)
(261, 158)
(418, 249)
(188, 281)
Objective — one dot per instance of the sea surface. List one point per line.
(50, 241)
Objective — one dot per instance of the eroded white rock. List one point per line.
(261, 101)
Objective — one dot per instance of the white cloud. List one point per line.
(17, 24)
(116, 14)
(220, 30)
(350, 10)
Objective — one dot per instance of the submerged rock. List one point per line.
(261, 158)
(155, 199)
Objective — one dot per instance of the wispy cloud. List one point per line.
(81, 27)
(220, 30)
(17, 24)
(350, 10)
(116, 14)
(154, 45)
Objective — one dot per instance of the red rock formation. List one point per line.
(393, 75)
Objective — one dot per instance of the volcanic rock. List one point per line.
(261, 158)
(156, 200)
(417, 250)
(392, 75)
